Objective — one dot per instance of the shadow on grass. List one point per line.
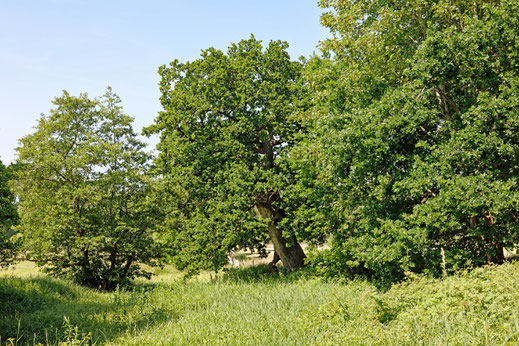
(46, 310)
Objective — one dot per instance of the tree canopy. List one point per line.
(82, 190)
(228, 121)
(417, 107)
(8, 217)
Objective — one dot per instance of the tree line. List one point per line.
(398, 145)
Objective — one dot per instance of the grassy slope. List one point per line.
(481, 307)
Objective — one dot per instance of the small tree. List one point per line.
(225, 128)
(82, 190)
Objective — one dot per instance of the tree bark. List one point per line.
(272, 264)
(293, 256)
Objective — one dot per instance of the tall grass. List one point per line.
(250, 306)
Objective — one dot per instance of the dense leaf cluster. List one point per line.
(226, 126)
(421, 145)
(83, 193)
(8, 217)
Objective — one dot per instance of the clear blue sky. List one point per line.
(47, 46)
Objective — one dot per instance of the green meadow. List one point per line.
(250, 306)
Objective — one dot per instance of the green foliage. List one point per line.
(260, 273)
(473, 308)
(226, 126)
(73, 336)
(83, 193)
(417, 134)
(8, 217)
(374, 42)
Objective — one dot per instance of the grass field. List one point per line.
(249, 306)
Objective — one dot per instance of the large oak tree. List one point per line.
(228, 122)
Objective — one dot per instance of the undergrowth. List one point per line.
(253, 306)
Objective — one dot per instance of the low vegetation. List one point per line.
(250, 306)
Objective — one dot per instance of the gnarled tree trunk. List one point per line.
(293, 256)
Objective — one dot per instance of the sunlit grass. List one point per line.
(21, 269)
(249, 306)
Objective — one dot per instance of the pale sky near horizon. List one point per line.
(47, 46)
